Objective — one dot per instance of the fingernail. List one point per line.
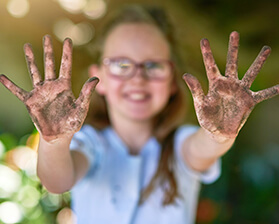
(267, 48)
(205, 42)
(93, 79)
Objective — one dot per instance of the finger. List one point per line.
(49, 59)
(212, 70)
(18, 92)
(86, 92)
(194, 86)
(66, 62)
(266, 94)
(255, 68)
(31, 64)
(231, 66)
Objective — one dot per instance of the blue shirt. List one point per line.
(110, 191)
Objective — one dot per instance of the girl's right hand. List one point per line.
(51, 104)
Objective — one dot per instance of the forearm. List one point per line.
(202, 149)
(55, 166)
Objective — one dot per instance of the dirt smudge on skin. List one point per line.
(211, 110)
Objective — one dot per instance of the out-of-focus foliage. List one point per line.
(22, 197)
(247, 191)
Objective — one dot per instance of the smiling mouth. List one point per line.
(138, 96)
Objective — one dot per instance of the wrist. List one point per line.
(219, 138)
(56, 140)
(217, 145)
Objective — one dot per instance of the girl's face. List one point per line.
(136, 98)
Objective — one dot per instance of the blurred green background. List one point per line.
(248, 189)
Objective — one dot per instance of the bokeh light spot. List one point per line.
(33, 141)
(51, 201)
(26, 159)
(66, 216)
(80, 34)
(95, 9)
(72, 6)
(29, 196)
(10, 212)
(10, 181)
(2, 149)
(18, 8)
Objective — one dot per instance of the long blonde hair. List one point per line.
(167, 121)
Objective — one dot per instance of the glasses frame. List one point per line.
(107, 60)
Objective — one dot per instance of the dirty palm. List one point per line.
(222, 111)
(51, 104)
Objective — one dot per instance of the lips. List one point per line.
(137, 96)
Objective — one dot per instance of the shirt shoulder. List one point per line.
(90, 142)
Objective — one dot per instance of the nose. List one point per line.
(140, 73)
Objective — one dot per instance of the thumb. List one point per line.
(194, 86)
(86, 92)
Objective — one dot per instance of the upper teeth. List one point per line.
(137, 96)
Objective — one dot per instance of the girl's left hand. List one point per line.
(229, 101)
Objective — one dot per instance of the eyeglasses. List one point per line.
(125, 68)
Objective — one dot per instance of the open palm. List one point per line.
(51, 104)
(229, 101)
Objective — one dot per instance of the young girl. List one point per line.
(137, 163)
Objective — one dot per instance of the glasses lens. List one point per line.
(124, 68)
(157, 70)
(120, 67)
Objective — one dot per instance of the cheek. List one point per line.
(162, 92)
(105, 85)
(100, 88)
(111, 89)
